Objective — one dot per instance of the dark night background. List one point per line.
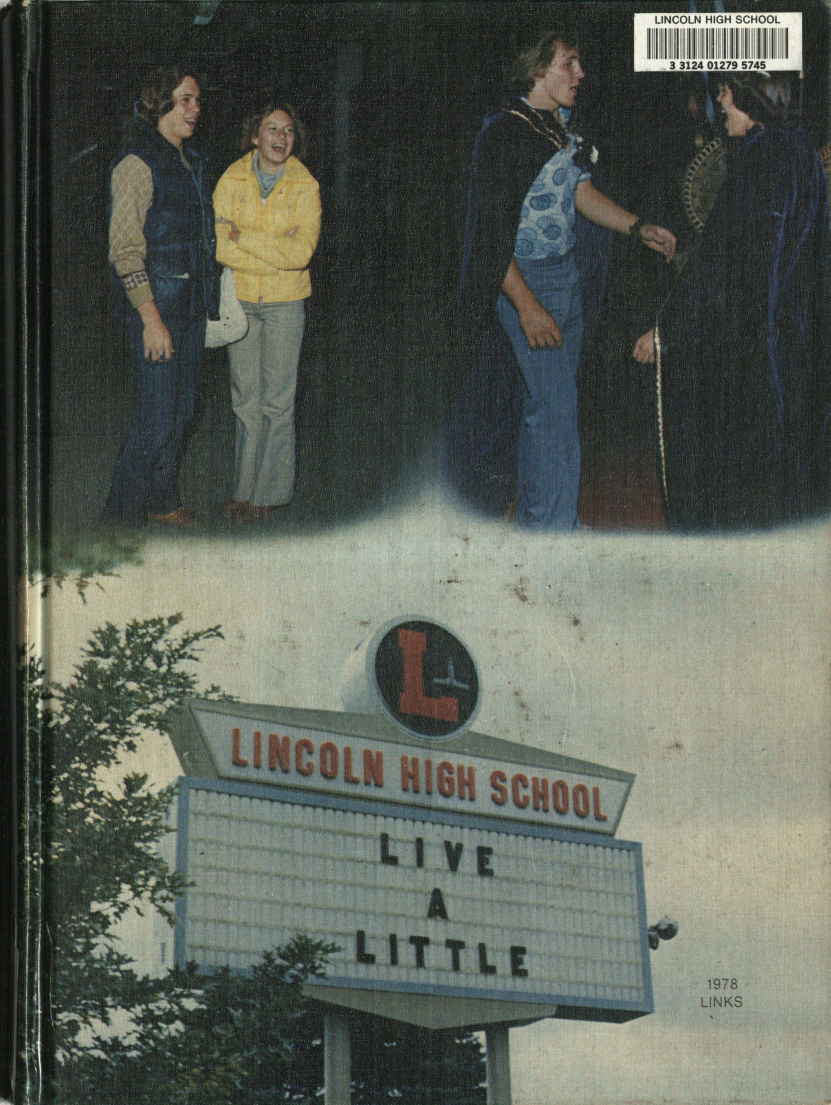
(393, 95)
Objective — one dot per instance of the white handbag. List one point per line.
(232, 323)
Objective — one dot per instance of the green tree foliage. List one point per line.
(398, 1062)
(93, 828)
(253, 1039)
(213, 1038)
(92, 831)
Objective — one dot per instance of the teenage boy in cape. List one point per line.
(529, 176)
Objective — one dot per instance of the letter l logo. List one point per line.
(413, 700)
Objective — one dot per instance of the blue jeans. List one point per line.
(146, 474)
(549, 446)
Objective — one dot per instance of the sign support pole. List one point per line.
(337, 1062)
(499, 1065)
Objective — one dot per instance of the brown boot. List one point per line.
(232, 507)
(180, 518)
(251, 514)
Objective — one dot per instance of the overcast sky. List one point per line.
(699, 665)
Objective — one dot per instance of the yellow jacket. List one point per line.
(268, 264)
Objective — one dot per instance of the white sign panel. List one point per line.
(718, 41)
(252, 751)
(450, 906)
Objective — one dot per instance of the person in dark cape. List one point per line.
(520, 293)
(743, 341)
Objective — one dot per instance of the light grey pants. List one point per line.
(263, 385)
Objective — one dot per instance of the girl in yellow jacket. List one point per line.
(267, 208)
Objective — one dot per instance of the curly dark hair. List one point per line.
(765, 97)
(532, 63)
(157, 90)
(251, 127)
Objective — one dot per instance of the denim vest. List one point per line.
(179, 231)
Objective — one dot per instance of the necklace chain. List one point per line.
(558, 135)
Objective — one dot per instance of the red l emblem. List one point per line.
(413, 700)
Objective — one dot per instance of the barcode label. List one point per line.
(676, 43)
(716, 40)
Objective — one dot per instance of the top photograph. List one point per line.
(300, 265)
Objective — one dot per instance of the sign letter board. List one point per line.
(418, 902)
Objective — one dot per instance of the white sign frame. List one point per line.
(407, 1000)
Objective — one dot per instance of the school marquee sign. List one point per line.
(464, 882)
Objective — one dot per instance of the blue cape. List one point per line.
(744, 341)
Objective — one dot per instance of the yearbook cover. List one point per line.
(425, 582)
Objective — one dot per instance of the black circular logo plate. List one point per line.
(426, 679)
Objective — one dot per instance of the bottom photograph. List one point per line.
(365, 817)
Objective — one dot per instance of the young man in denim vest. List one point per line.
(162, 251)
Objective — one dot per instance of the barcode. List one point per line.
(717, 43)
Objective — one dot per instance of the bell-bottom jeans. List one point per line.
(549, 446)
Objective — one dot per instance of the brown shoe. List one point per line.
(232, 507)
(180, 518)
(251, 514)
